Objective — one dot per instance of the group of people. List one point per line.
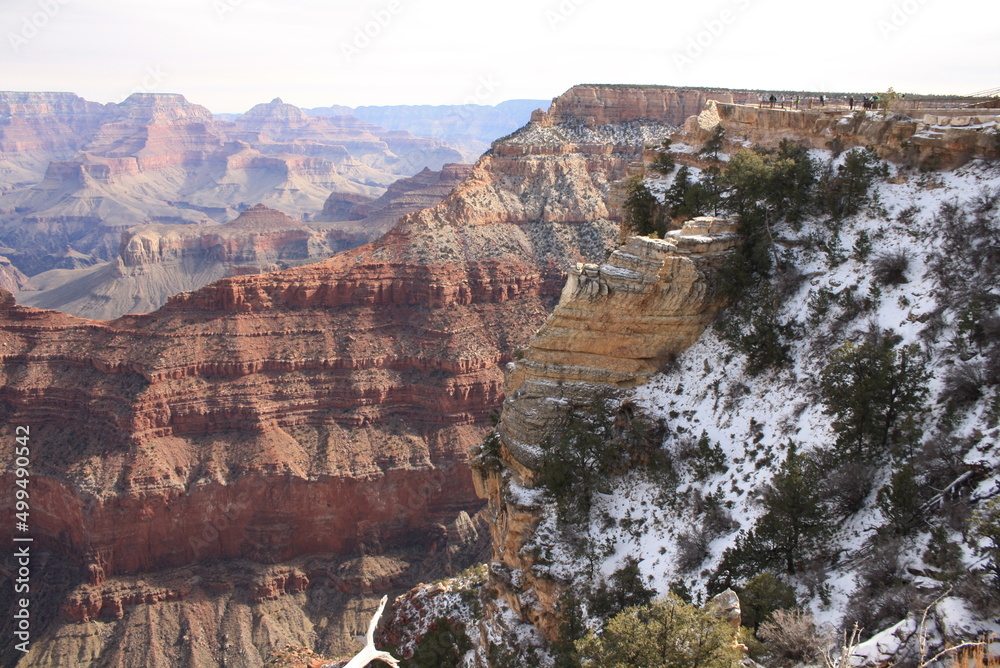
(866, 102)
(774, 100)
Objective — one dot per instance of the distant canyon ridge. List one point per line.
(84, 185)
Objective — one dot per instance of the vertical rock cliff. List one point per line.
(616, 325)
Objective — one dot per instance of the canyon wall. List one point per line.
(616, 325)
(154, 262)
(925, 137)
(321, 410)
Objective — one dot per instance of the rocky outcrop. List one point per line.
(11, 278)
(923, 137)
(210, 614)
(616, 325)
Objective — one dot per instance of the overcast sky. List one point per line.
(231, 54)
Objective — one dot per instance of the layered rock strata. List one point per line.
(325, 409)
(616, 325)
(78, 173)
(937, 140)
(155, 262)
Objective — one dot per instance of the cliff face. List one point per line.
(616, 325)
(156, 261)
(36, 128)
(323, 409)
(934, 139)
(596, 105)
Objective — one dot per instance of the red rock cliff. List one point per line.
(323, 409)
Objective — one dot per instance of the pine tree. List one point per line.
(663, 162)
(641, 208)
(761, 597)
(714, 143)
(795, 519)
(873, 393)
(900, 500)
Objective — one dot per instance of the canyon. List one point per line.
(320, 412)
(77, 173)
(155, 262)
(636, 334)
(252, 465)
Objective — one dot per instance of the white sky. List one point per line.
(231, 54)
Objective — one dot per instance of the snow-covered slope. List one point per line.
(917, 270)
(753, 419)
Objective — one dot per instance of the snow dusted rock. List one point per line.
(954, 140)
(616, 325)
(727, 606)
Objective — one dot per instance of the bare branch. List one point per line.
(369, 653)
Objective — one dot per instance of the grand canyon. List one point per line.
(278, 365)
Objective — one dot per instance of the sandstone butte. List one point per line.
(204, 470)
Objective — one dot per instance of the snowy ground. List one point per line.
(754, 418)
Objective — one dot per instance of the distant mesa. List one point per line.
(78, 172)
(156, 261)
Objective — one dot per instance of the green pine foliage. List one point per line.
(668, 633)
(762, 595)
(442, 646)
(663, 163)
(900, 501)
(874, 391)
(578, 461)
(714, 143)
(626, 589)
(642, 213)
(795, 520)
(843, 191)
(594, 443)
(753, 327)
(790, 532)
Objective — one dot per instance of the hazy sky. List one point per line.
(231, 54)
